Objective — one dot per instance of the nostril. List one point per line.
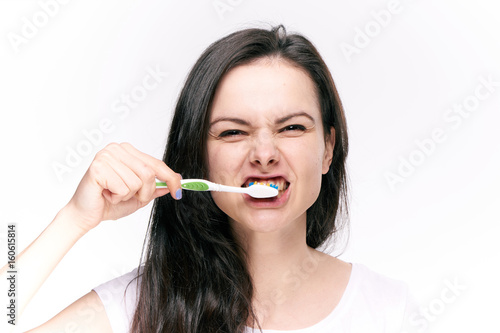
(264, 153)
(265, 157)
(269, 162)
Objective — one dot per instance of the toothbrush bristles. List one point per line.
(270, 185)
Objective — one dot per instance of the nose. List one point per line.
(264, 151)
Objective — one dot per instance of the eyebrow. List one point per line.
(293, 115)
(230, 119)
(278, 121)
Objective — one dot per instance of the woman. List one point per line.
(258, 105)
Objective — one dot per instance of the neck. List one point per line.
(279, 263)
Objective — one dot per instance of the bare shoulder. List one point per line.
(87, 314)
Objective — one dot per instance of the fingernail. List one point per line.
(178, 194)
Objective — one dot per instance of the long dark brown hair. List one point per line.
(195, 277)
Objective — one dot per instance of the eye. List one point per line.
(292, 130)
(229, 133)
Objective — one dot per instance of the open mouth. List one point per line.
(281, 183)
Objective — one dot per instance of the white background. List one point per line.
(438, 226)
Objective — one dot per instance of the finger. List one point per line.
(132, 182)
(160, 169)
(114, 188)
(159, 192)
(140, 168)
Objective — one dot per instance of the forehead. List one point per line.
(265, 89)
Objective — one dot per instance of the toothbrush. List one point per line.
(256, 190)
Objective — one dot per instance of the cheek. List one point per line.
(223, 162)
(308, 163)
(305, 155)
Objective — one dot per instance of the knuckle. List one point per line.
(121, 195)
(149, 174)
(112, 146)
(104, 154)
(126, 145)
(97, 167)
(159, 164)
(133, 185)
(97, 164)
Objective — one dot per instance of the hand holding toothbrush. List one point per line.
(119, 181)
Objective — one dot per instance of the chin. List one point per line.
(267, 222)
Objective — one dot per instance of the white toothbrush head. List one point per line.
(261, 191)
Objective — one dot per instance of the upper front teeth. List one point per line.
(279, 183)
(268, 184)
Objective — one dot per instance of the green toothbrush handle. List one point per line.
(191, 184)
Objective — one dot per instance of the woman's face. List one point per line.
(266, 125)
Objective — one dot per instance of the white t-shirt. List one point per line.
(370, 303)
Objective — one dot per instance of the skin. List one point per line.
(249, 137)
(266, 97)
